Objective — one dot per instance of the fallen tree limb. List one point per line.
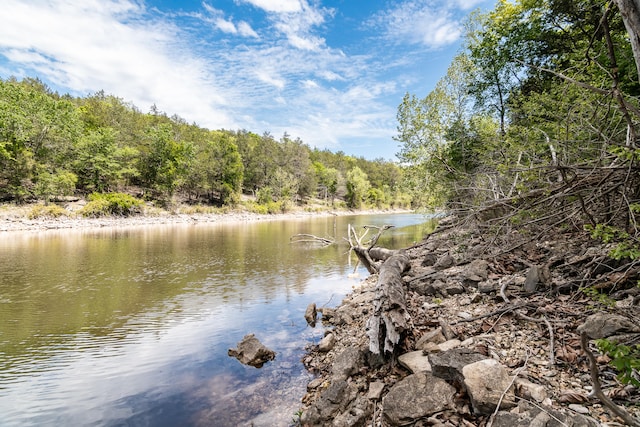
(390, 317)
(597, 389)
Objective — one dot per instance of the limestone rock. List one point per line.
(375, 390)
(444, 262)
(527, 415)
(311, 314)
(448, 364)
(603, 325)
(347, 363)
(435, 336)
(327, 343)
(528, 390)
(477, 270)
(486, 382)
(415, 397)
(415, 361)
(252, 352)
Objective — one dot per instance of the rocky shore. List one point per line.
(16, 218)
(495, 339)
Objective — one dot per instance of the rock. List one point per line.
(311, 314)
(327, 343)
(375, 390)
(487, 381)
(435, 336)
(347, 363)
(444, 262)
(335, 398)
(415, 397)
(448, 364)
(477, 270)
(429, 259)
(356, 415)
(487, 287)
(532, 280)
(450, 344)
(528, 390)
(527, 415)
(327, 313)
(415, 361)
(603, 325)
(579, 409)
(251, 352)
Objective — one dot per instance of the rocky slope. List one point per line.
(494, 338)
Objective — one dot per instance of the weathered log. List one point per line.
(390, 317)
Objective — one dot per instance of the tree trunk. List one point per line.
(390, 317)
(630, 11)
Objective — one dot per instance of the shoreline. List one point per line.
(15, 220)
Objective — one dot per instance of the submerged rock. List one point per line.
(252, 352)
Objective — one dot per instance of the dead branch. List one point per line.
(597, 389)
(310, 238)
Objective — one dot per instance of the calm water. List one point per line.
(131, 326)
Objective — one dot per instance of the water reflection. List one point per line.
(132, 326)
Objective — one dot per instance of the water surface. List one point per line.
(131, 326)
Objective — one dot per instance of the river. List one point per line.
(131, 326)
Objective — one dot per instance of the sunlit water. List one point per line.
(131, 326)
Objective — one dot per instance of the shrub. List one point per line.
(47, 211)
(118, 204)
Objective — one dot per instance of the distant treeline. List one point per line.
(55, 145)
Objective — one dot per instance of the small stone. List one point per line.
(579, 409)
(327, 343)
(415, 361)
(375, 390)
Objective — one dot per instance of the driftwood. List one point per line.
(390, 316)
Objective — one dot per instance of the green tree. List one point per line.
(357, 188)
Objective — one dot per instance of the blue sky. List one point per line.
(329, 72)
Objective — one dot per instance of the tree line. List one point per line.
(54, 145)
(538, 116)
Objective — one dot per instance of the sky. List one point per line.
(330, 72)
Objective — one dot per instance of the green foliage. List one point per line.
(357, 188)
(625, 359)
(626, 246)
(49, 185)
(117, 204)
(47, 211)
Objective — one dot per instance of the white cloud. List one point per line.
(277, 6)
(92, 45)
(245, 30)
(226, 26)
(432, 24)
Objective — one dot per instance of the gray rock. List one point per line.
(528, 415)
(311, 314)
(603, 325)
(444, 262)
(356, 415)
(347, 363)
(251, 352)
(477, 270)
(528, 390)
(487, 287)
(375, 390)
(434, 336)
(415, 361)
(331, 401)
(532, 280)
(327, 343)
(415, 397)
(487, 381)
(448, 364)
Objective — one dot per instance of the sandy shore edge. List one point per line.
(16, 221)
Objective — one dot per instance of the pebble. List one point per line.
(579, 409)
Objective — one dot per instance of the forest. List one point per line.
(53, 145)
(536, 121)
